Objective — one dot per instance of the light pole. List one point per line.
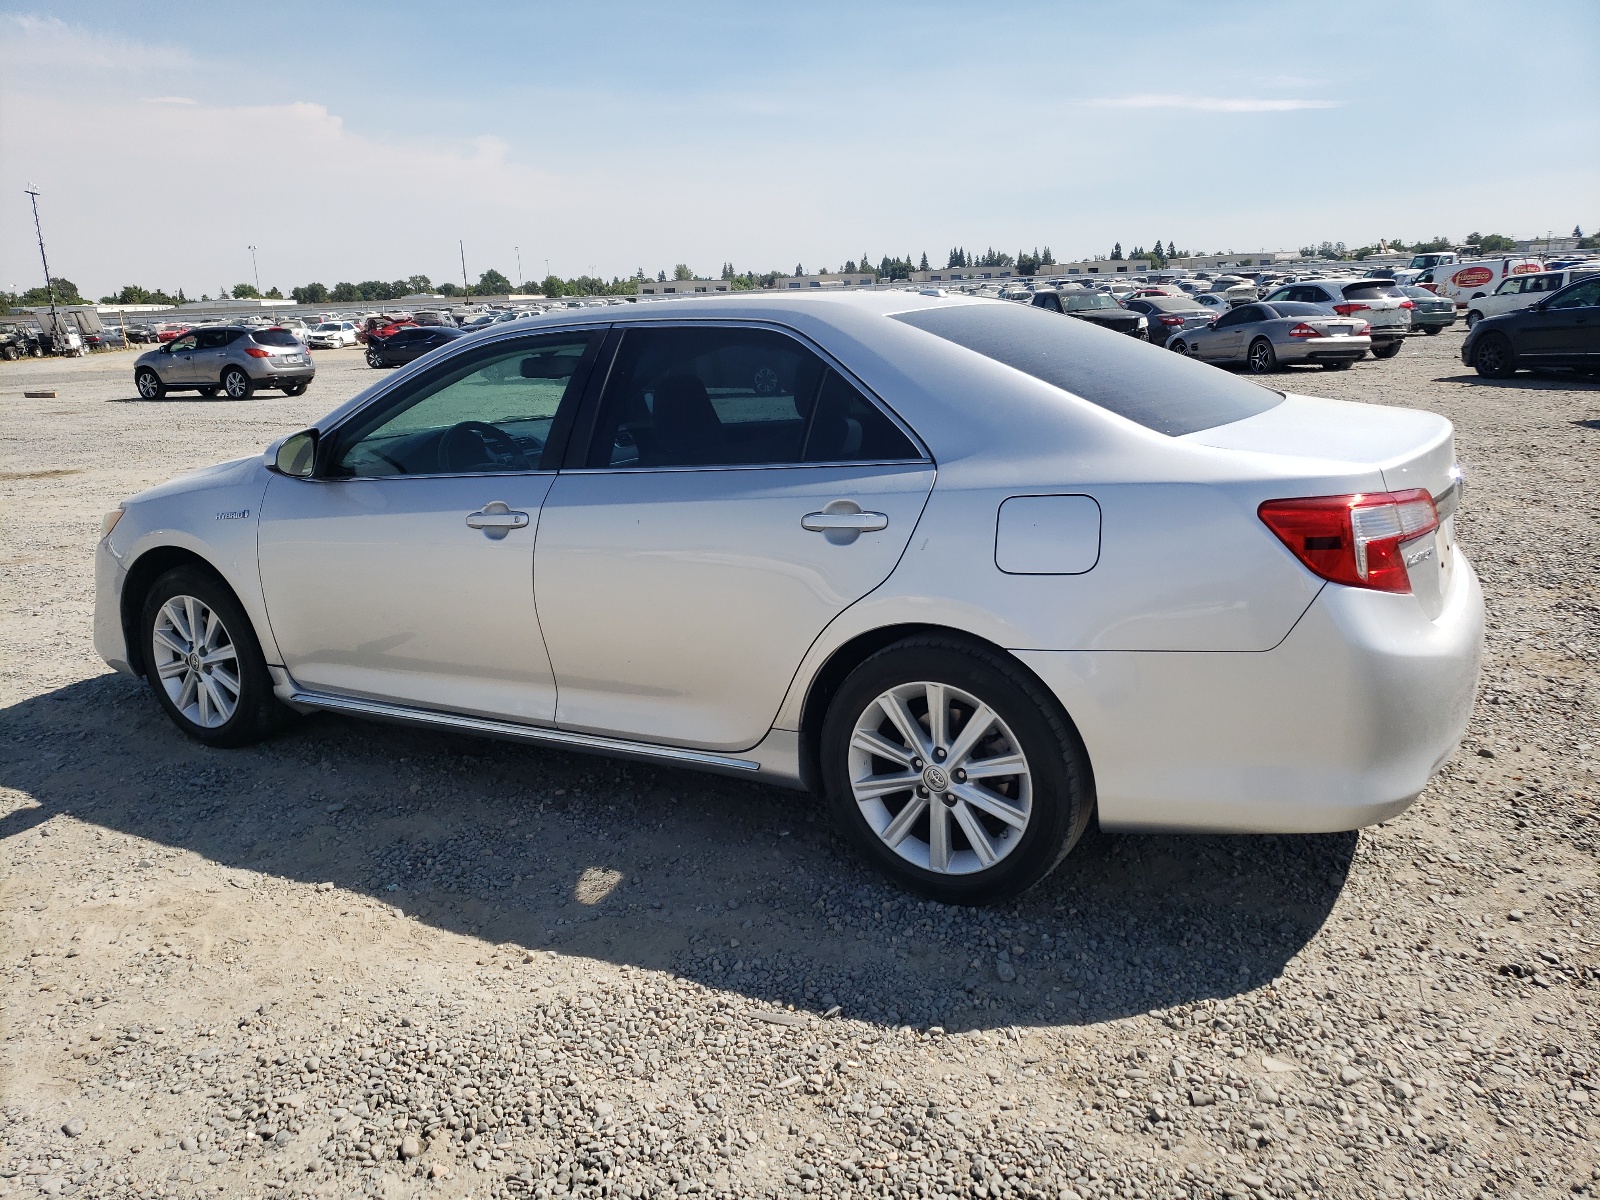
(49, 285)
(462, 246)
(255, 270)
(518, 250)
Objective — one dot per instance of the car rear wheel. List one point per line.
(954, 770)
(1433, 330)
(207, 391)
(1341, 365)
(236, 385)
(203, 661)
(1387, 349)
(1494, 358)
(294, 389)
(1263, 359)
(149, 384)
(1473, 317)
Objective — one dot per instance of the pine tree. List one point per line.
(924, 265)
(1116, 251)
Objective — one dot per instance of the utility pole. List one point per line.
(255, 270)
(462, 245)
(49, 284)
(518, 249)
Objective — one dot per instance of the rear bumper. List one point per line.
(1390, 334)
(1339, 726)
(1328, 349)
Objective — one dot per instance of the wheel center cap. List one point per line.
(935, 779)
(194, 662)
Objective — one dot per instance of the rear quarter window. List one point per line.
(1166, 392)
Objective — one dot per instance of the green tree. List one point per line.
(924, 265)
(311, 293)
(1116, 252)
(1496, 243)
(273, 294)
(682, 271)
(492, 283)
(344, 293)
(66, 293)
(245, 291)
(445, 289)
(419, 283)
(799, 269)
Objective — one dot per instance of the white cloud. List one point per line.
(1228, 104)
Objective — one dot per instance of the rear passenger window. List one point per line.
(718, 396)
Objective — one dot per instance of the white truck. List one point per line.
(1466, 281)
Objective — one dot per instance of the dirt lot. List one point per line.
(365, 961)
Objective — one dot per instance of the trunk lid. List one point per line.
(1407, 447)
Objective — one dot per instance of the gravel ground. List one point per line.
(367, 961)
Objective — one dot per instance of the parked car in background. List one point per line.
(1523, 291)
(21, 341)
(165, 333)
(1167, 315)
(1267, 337)
(382, 327)
(407, 343)
(1432, 314)
(141, 332)
(1378, 302)
(1095, 307)
(1466, 281)
(232, 359)
(330, 335)
(1562, 330)
(1125, 586)
(1215, 301)
(294, 325)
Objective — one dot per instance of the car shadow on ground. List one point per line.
(738, 886)
(1553, 381)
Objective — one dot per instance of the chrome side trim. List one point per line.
(584, 742)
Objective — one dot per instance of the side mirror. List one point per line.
(166, 347)
(297, 455)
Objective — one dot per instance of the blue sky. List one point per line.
(362, 141)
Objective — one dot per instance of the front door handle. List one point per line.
(842, 521)
(496, 519)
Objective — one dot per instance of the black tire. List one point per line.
(257, 712)
(149, 384)
(1261, 357)
(374, 359)
(294, 389)
(10, 353)
(207, 391)
(1433, 330)
(1341, 365)
(1473, 317)
(1388, 349)
(1061, 784)
(1493, 357)
(237, 385)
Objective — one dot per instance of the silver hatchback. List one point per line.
(229, 359)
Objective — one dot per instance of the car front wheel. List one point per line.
(1388, 349)
(374, 359)
(203, 661)
(149, 384)
(1494, 358)
(954, 770)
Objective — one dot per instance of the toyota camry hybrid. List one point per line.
(974, 573)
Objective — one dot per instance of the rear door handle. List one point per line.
(496, 519)
(842, 521)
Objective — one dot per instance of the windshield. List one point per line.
(1169, 393)
(1094, 300)
(327, 327)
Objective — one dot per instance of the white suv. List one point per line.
(1523, 291)
(1378, 302)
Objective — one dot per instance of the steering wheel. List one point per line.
(475, 445)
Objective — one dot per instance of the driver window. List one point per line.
(489, 411)
(1584, 295)
(186, 343)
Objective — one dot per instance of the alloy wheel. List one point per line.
(940, 778)
(149, 385)
(1261, 358)
(235, 384)
(196, 661)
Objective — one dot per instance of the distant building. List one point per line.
(1546, 245)
(682, 287)
(831, 279)
(1094, 266)
(1214, 262)
(964, 275)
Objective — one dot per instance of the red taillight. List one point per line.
(1348, 307)
(257, 352)
(1363, 328)
(1172, 320)
(1354, 540)
(1304, 330)
(1408, 304)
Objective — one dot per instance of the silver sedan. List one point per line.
(1267, 337)
(975, 574)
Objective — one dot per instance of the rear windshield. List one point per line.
(1290, 308)
(1372, 291)
(1094, 300)
(275, 337)
(1166, 392)
(1170, 303)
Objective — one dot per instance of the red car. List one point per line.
(382, 327)
(167, 332)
